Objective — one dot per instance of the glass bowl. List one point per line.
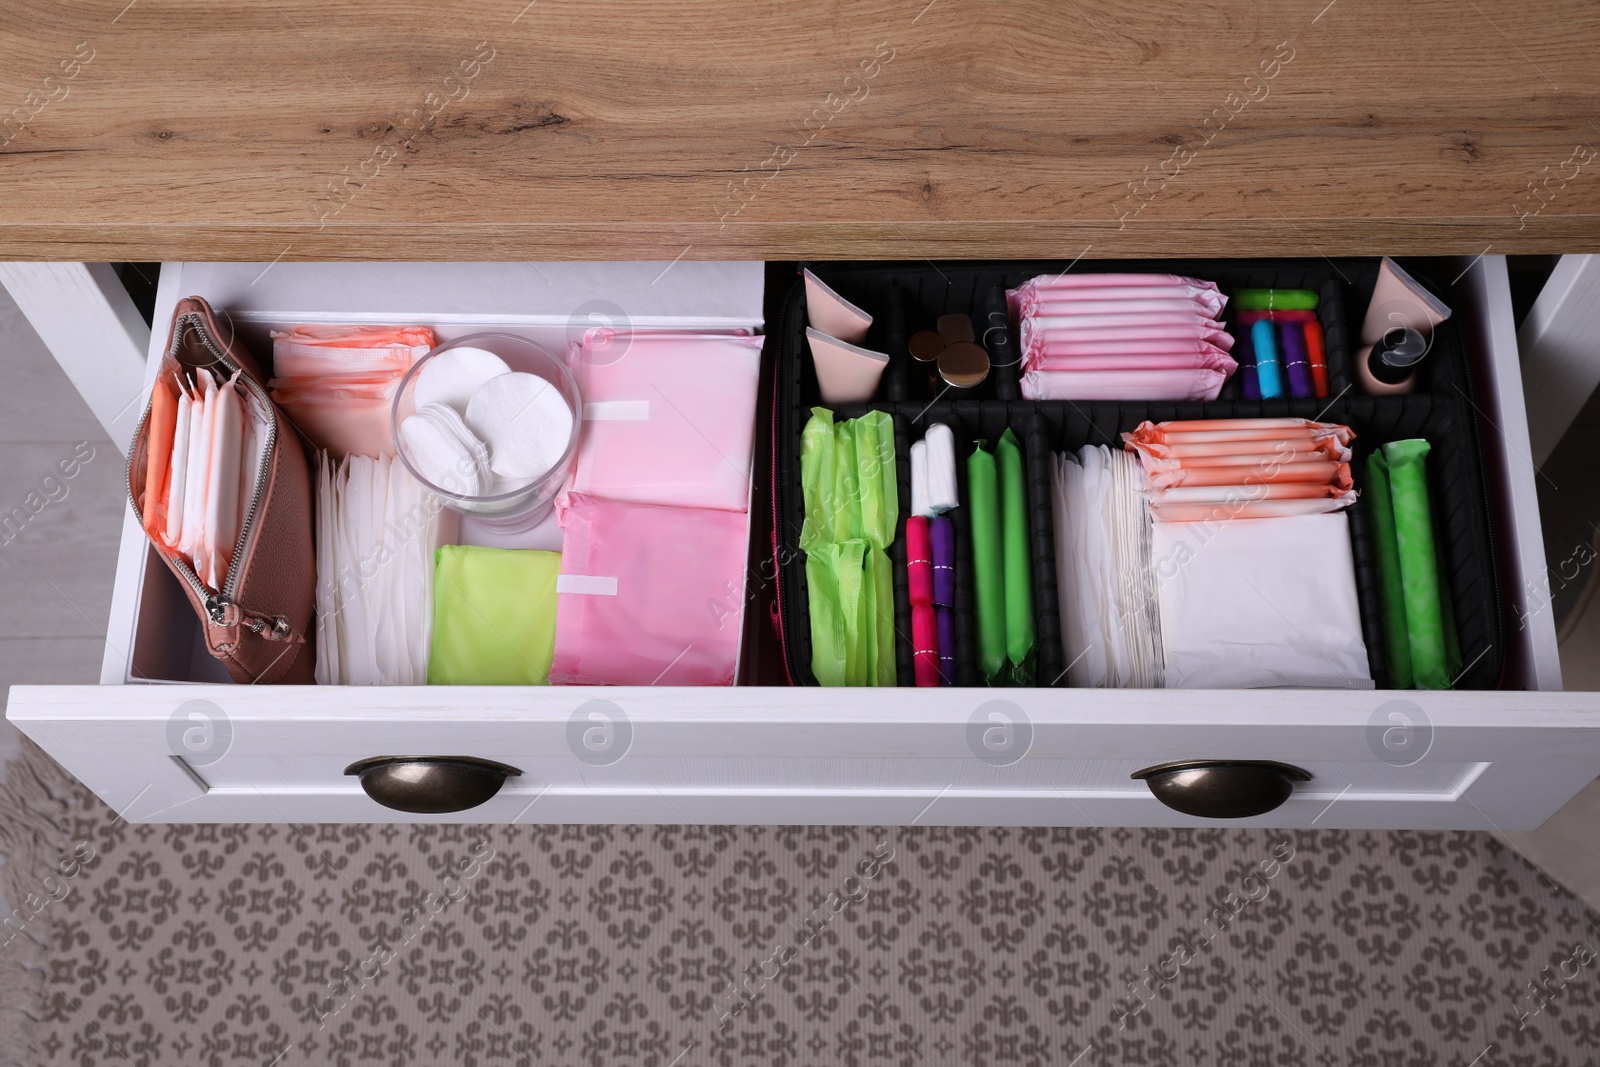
(521, 506)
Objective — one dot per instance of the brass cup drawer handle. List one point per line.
(431, 785)
(1222, 789)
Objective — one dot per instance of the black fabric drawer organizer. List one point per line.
(905, 297)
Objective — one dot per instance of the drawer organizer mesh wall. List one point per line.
(906, 297)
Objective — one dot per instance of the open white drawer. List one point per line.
(770, 754)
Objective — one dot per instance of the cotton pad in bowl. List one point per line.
(445, 451)
(520, 440)
(524, 420)
(454, 375)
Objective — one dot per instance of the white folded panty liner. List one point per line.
(1111, 633)
(377, 532)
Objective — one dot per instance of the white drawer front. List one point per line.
(778, 755)
(775, 755)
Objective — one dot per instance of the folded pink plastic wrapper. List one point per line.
(670, 421)
(1238, 453)
(1163, 511)
(1088, 280)
(335, 382)
(1116, 302)
(1121, 337)
(1135, 330)
(1216, 469)
(1271, 469)
(1118, 286)
(1195, 383)
(1227, 431)
(1145, 339)
(1047, 356)
(648, 595)
(1127, 322)
(1215, 359)
(1201, 494)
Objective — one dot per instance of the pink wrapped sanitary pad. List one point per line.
(1193, 383)
(1121, 337)
(670, 421)
(648, 595)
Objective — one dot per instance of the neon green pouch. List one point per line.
(494, 616)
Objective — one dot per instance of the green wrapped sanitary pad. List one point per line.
(494, 616)
(852, 506)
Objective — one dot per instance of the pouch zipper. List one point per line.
(216, 604)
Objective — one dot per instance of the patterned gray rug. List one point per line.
(674, 946)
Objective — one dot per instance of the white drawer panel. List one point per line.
(779, 755)
(310, 764)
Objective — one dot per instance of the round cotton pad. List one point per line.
(439, 445)
(525, 422)
(453, 376)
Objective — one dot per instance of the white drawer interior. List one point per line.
(153, 634)
(787, 755)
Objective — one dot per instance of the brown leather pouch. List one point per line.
(259, 622)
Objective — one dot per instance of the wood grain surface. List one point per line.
(707, 129)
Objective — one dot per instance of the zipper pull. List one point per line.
(224, 612)
(276, 628)
(217, 607)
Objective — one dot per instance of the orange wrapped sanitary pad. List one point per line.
(336, 383)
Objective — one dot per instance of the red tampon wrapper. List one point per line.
(925, 644)
(919, 560)
(1318, 357)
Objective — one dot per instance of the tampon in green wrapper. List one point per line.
(983, 499)
(1274, 300)
(1380, 507)
(1018, 576)
(1419, 568)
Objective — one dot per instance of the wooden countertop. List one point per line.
(707, 129)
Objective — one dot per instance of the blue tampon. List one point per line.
(1269, 368)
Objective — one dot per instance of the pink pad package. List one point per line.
(1064, 287)
(1215, 359)
(1112, 302)
(1102, 342)
(1134, 337)
(648, 595)
(1191, 383)
(1071, 348)
(669, 418)
(1125, 322)
(1121, 337)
